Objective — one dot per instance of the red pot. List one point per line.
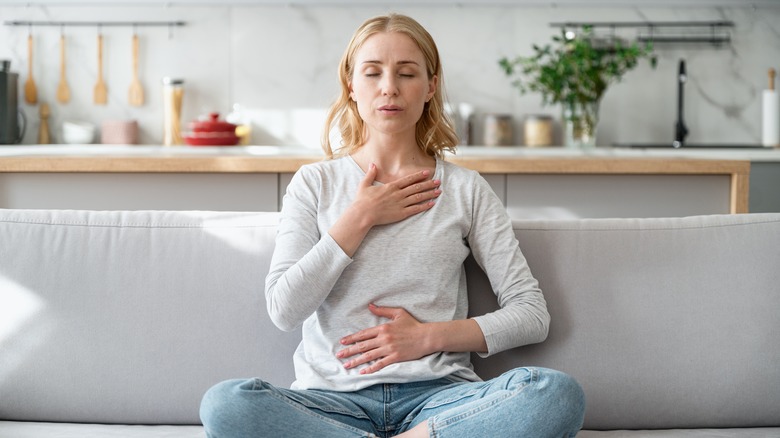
(212, 132)
(212, 125)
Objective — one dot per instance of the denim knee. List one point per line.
(568, 396)
(556, 394)
(218, 406)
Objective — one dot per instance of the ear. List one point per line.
(351, 93)
(432, 83)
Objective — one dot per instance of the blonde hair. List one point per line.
(435, 132)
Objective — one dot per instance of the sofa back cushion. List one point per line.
(129, 317)
(666, 323)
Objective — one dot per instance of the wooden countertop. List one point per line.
(270, 159)
(281, 164)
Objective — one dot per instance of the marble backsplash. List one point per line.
(279, 63)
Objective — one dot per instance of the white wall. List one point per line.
(279, 62)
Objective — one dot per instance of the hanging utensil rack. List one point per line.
(709, 32)
(95, 23)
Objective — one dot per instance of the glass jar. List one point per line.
(173, 92)
(538, 130)
(498, 130)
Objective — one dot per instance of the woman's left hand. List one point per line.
(402, 339)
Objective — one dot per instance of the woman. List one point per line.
(369, 261)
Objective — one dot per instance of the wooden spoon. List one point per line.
(30, 92)
(101, 93)
(136, 95)
(63, 91)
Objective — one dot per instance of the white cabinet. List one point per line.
(140, 191)
(602, 196)
(525, 195)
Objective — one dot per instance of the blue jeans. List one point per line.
(525, 402)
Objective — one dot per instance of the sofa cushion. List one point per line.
(129, 317)
(666, 323)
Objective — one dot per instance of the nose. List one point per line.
(389, 85)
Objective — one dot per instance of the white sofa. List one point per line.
(113, 324)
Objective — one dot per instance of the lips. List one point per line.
(390, 108)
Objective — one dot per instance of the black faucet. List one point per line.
(680, 131)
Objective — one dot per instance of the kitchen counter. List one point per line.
(586, 177)
(122, 158)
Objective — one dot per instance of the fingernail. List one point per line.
(372, 305)
(426, 172)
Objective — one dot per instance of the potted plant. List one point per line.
(575, 72)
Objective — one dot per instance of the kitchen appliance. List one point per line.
(10, 129)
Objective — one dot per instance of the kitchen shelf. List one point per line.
(708, 32)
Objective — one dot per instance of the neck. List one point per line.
(393, 157)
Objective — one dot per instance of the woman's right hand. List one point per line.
(397, 200)
(383, 204)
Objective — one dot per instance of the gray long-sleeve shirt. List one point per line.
(416, 264)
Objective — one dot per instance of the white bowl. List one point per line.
(78, 132)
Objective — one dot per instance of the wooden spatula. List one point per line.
(63, 91)
(30, 91)
(136, 95)
(101, 93)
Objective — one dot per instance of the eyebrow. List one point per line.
(403, 62)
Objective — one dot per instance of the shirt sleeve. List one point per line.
(305, 264)
(522, 318)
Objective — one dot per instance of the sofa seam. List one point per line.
(130, 225)
(690, 227)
